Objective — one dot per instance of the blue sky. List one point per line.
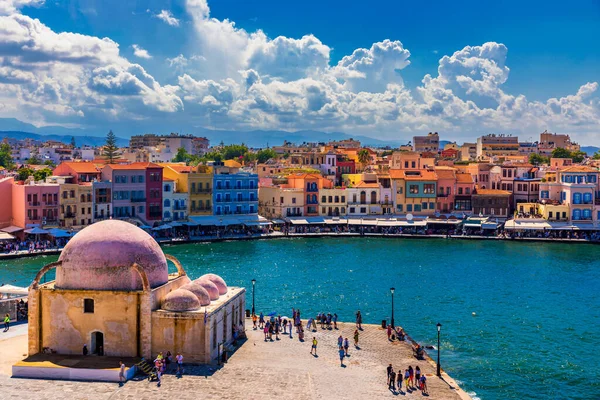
(518, 67)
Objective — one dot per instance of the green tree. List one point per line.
(234, 151)
(537, 159)
(265, 155)
(110, 147)
(578, 156)
(24, 173)
(34, 160)
(364, 157)
(6, 156)
(596, 155)
(49, 163)
(41, 174)
(559, 152)
(182, 155)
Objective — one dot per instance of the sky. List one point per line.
(384, 69)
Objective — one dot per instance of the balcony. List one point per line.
(201, 191)
(34, 204)
(180, 208)
(139, 200)
(101, 216)
(293, 214)
(442, 195)
(70, 215)
(51, 204)
(200, 209)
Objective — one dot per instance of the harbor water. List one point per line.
(519, 320)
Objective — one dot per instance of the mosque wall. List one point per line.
(66, 327)
(179, 332)
(160, 292)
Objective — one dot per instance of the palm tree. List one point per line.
(364, 157)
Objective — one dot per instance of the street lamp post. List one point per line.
(439, 328)
(392, 291)
(253, 286)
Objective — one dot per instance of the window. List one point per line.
(400, 207)
(400, 190)
(467, 190)
(413, 164)
(363, 210)
(409, 207)
(167, 203)
(293, 200)
(429, 188)
(413, 189)
(417, 207)
(550, 214)
(424, 205)
(405, 164)
(431, 206)
(88, 305)
(323, 199)
(343, 199)
(168, 188)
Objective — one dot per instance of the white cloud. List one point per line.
(167, 16)
(8, 7)
(140, 52)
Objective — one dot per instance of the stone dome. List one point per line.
(180, 300)
(100, 256)
(200, 292)
(211, 288)
(218, 281)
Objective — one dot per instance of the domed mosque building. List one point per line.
(113, 293)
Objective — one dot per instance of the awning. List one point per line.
(336, 221)
(205, 220)
(388, 222)
(10, 289)
(444, 221)
(315, 220)
(257, 223)
(536, 225)
(36, 231)
(489, 225)
(363, 221)
(144, 227)
(59, 233)
(418, 223)
(190, 223)
(11, 229)
(472, 225)
(162, 227)
(566, 226)
(175, 224)
(6, 236)
(299, 221)
(278, 221)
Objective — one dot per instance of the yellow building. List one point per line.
(76, 206)
(333, 202)
(414, 191)
(201, 182)
(550, 211)
(113, 293)
(280, 201)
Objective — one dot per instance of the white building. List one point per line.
(175, 204)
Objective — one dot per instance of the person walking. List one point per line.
(6, 323)
(356, 338)
(341, 352)
(309, 323)
(359, 320)
(411, 373)
(261, 321)
(424, 385)
(417, 376)
(85, 349)
(399, 379)
(392, 381)
(335, 318)
(179, 359)
(290, 326)
(346, 346)
(314, 346)
(389, 332)
(340, 342)
(254, 320)
(121, 373)
(406, 379)
(389, 372)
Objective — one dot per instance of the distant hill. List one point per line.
(79, 140)
(590, 150)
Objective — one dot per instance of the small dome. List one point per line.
(180, 300)
(211, 288)
(100, 256)
(218, 281)
(200, 292)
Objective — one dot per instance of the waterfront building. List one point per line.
(75, 203)
(35, 203)
(492, 203)
(175, 202)
(333, 202)
(113, 293)
(281, 201)
(578, 188)
(480, 173)
(426, 144)
(551, 141)
(234, 191)
(551, 211)
(102, 200)
(464, 191)
(200, 190)
(493, 145)
(136, 190)
(415, 191)
(446, 189)
(310, 184)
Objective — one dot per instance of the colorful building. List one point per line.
(280, 201)
(35, 204)
(310, 184)
(234, 191)
(415, 191)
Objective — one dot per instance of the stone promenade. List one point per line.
(282, 369)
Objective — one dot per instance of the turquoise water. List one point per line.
(537, 325)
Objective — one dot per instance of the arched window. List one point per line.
(308, 198)
(314, 198)
(167, 203)
(89, 198)
(363, 197)
(82, 198)
(373, 197)
(167, 214)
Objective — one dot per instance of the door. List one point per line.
(98, 343)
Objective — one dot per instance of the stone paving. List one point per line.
(282, 369)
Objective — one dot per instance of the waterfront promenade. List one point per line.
(281, 235)
(282, 369)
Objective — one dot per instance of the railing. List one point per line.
(70, 215)
(34, 203)
(139, 200)
(51, 204)
(442, 195)
(180, 208)
(101, 216)
(201, 191)
(35, 218)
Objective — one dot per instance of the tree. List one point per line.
(49, 163)
(596, 155)
(537, 159)
(34, 160)
(364, 157)
(181, 156)
(73, 141)
(559, 152)
(578, 156)
(265, 155)
(41, 174)
(110, 147)
(24, 173)
(6, 156)
(234, 151)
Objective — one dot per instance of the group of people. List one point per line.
(395, 333)
(327, 321)
(413, 379)
(32, 246)
(162, 363)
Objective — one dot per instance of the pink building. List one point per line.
(35, 204)
(6, 185)
(446, 189)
